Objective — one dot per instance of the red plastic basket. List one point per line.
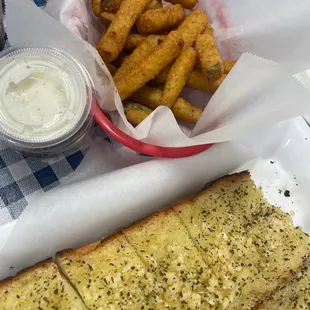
(141, 147)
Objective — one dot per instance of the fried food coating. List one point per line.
(209, 57)
(182, 109)
(146, 48)
(164, 54)
(178, 76)
(193, 25)
(106, 18)
(136, 113)
(135, 39)
(96, 6)
(196, 80)
(154, 21)
(113, 41)
(187, 4)
(114, 5)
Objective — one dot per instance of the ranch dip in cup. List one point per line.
(46, 98)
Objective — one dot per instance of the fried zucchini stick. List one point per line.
(164, 54)
(228, 65)
(111, 5)
(154, 4)
(193, 25)
(196, 80)
(96, 5)
(187, 4)
(154, 21)
(136, 113)
(209, 30)
(113, 41)
(162, 76)
(107, 18)
(178, 76)
(135, 39)
(147, 47)
(182, 109)
(209, 57)
(114, 5)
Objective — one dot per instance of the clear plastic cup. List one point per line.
(46, 99)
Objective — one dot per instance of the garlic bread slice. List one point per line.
(251, 246)
(110, 275)
(166, 248)
(39, 287)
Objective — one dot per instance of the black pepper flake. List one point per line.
(287, 193)
(272, 161)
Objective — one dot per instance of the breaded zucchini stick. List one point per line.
(146, 48)
(182, 109)
(135, 39)
(114, 5)
(96, 6)
(162, 76)
(136, 113)
(178, 76)
(107, 18)
(154, 21)
(113, 41)
(209, 57)
(154, 4)
(187, 4)
(193, 25)
(111, 5)
(164, 54)
(196, 80)
(209, 30)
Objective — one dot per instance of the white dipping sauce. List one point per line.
(37, 99)
(42, 96)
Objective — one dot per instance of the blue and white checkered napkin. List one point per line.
(23, 179)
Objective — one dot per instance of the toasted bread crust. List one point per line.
(39, 287)
(20, 275)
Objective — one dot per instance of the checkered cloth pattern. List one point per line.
(22, 179)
